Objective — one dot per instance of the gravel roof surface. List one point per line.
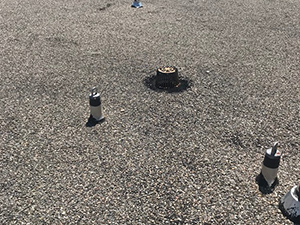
(159, 158)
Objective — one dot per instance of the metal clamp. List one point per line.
(274, 148)
(94, 91)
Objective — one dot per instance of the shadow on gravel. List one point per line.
(264, 188)
(184, 84)
(105, 7)
(92, 122)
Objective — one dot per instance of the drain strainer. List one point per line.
(167, 79)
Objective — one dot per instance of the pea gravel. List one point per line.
(159, 158)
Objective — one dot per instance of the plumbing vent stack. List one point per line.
(270, 164)
(290, 205)
(95, 105)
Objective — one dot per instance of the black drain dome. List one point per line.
(167, 77)
(167, 80)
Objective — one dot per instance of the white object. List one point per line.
(270, 165)
(269, 174)
(95, 105)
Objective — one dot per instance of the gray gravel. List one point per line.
(159, 158)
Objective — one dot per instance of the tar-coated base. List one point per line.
(93, 122)
(263, 185)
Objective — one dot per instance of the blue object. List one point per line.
(136, 4)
